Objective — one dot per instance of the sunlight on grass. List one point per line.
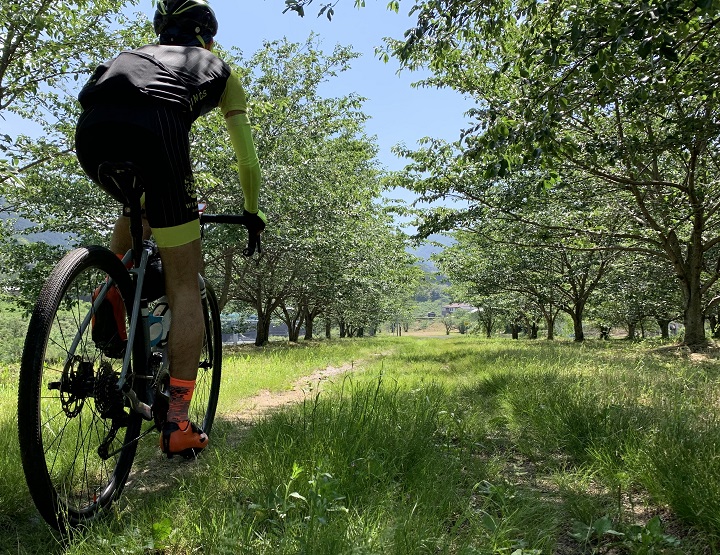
(455, 445)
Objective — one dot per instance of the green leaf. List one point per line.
(296, 495)
(645, 48)
(162, 530)
(489, 522)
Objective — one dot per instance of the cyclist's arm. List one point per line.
(234, 107)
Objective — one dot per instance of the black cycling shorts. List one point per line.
(156, 139)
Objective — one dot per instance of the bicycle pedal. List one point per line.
(160, 408)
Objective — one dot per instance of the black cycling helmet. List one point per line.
(185, 22)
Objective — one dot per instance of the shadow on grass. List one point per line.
(516, 456)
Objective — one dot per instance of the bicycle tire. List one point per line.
(62, 391)
(207, 384)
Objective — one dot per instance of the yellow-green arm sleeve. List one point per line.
(233, 97)
(238, 126)
(248, 165)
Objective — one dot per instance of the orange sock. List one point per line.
(181, 392)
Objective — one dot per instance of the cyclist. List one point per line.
(139, 107)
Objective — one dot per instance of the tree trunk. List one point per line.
(693, 319)
(227, 279)
(294, 334)
(664, 327)
(515, 330)
(263, 330)
(328, 328)
(533, 330)
(577, 318)
(293, 322)
(631, 331)
(309, 321)
(690, 272)
(550, 323)
(343, 331)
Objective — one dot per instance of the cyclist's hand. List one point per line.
(255, 224)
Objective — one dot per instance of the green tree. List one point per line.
(43, 54)
(621, 94)
(321, 183)
(636, 290)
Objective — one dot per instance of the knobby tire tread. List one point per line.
(47, 499)
(213, 340)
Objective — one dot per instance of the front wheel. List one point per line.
(76, 433)
(207, 384)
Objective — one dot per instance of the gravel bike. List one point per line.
(82, 409)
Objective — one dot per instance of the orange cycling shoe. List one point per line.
(183, 438)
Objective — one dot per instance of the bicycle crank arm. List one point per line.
(138, 406)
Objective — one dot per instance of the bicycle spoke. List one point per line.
(66, 388)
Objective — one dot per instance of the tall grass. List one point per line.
(454, 445)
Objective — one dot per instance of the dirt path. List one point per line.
(265, 402)
(161, 472)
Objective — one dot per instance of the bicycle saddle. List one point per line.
(123, 177)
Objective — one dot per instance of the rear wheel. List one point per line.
(207, 385)
(76, 433)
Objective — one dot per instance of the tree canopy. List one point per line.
(606, 103)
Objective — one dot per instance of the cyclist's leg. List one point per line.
(181, 265)
(121, 240)
(171, 208)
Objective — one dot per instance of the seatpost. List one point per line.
(136, 224)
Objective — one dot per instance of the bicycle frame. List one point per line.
(139, 314)
(137, 349)
(138, 320)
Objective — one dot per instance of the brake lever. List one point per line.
(253, 245)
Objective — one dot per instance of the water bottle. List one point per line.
(159, 322)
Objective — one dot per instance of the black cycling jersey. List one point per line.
(140, 106)
(188, 77)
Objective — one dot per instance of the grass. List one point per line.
(457, 445)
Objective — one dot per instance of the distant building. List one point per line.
(448, 309)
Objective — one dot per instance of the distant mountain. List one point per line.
(48, 237)
(433, 245)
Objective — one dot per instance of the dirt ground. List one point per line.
(266, 401)
(434, 329)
